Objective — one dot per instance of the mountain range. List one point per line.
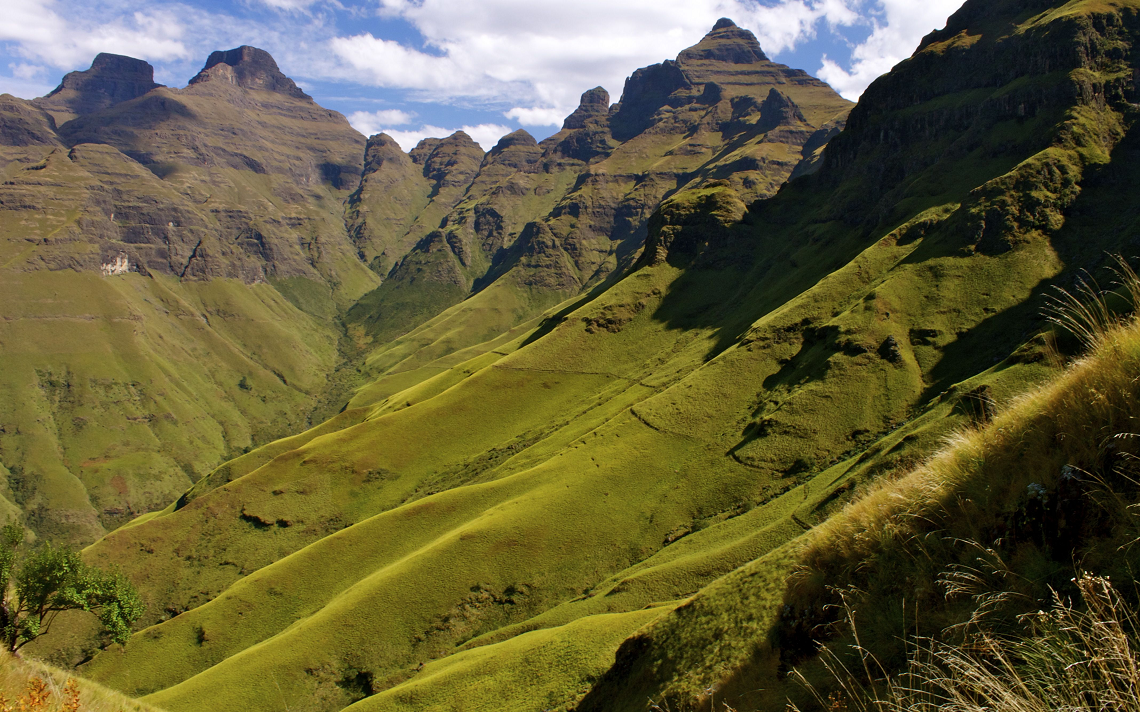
(547, 427)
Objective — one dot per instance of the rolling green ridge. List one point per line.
(633, 472)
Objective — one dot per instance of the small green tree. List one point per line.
(54, 579)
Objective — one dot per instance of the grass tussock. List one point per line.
(959, 573)
(29, 686)
(1078, 655)
(1082, 426)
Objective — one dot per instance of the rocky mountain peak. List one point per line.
(383, 149)
(725, 43)
(594, 103)
(249, 68)
(778, 110)
(451, 161)
(518, 150)
(111, 79)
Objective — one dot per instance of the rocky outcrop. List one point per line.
(112, 79)
(595, 104)
(249, 68)
(726, 43)
(563, 215)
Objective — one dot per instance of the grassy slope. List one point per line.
(16, 673)
(118, 393)
(735, 637)
(120, 411)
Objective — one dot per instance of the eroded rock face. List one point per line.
(249, 68)
(112, 79)
(595, 104)
(186, 221)
(560, 216)
(726, 43)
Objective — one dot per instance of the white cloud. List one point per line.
(23, 88)
(541, 56)
(548, 116)
(898, 28)
(486, 135)
(372, 122)
(26, 71)
(289, 5)
(69, 37)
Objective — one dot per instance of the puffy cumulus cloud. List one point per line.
(486, 135)
(537, 116)
(373, 122)
(65, 35)
(26, 71)
(898, 25)
(540, 56)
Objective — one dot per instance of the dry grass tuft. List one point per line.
(1076, 656)
(29, 686)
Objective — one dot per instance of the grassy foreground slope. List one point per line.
(691, 420)
(34, 687)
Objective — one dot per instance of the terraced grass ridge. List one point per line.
(191, 273)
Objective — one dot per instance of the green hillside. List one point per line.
(169, 296)
(634, 472)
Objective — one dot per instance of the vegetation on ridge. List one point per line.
(36, 588)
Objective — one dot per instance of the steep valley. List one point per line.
(610, 391)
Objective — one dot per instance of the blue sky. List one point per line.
(415, 68)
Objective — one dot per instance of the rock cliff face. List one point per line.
(549, 220)
(112, 79)
(249, 68)
(199, 235)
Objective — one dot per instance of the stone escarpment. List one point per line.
(559, 217)
(112, 79)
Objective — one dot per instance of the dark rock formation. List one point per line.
(647, 90)
(778, 110)
(595, 103)
(449, 162)
(726, 43)
(112, 79)
(517, 150)
(249, 68)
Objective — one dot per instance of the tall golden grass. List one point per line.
(30, 686)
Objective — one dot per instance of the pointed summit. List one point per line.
(111, 79)
(249, 68)
(725, 43)
(594, 103)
